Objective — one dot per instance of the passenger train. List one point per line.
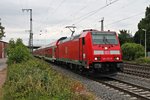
(97, 52)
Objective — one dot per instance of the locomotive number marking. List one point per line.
(106, 52)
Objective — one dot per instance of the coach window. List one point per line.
(83, 41)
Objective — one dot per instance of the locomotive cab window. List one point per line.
(104, 38)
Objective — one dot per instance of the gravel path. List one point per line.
(3, 64)
(134, 79)
(100, 90)
(3, 73)
(2, 77)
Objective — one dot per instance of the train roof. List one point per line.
(49, 45)
(82, 34)
(65, 39)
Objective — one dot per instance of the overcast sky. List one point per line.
(50, 17)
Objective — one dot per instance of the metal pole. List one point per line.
(0, 21)
(31, 33)
(102, 24)
(145, 43)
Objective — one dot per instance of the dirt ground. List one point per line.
(3, 74)
(2, 77)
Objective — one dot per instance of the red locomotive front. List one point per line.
(92, 50)
(107, 56)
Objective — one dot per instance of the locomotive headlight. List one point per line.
(84, 55)
(106, 48)
(95, 58)
(116, 58)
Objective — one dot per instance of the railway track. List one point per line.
(138, 70)
(135, 92)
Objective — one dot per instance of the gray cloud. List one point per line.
(54, 15)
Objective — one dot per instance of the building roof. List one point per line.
(3, 41)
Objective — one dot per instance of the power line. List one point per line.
(81, 9)
(85, 16)
(124, 19)
(59, 5)
(130, 3)
(93, 12)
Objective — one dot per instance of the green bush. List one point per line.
(35, 80)
(143, 60)
(132, 51)
(17, 52)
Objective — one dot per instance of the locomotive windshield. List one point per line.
(104, 38)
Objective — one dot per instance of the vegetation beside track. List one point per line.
(141, 61)
(34, 79)
(134, 53)
(17, 52)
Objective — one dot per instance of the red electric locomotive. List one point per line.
(92, 50)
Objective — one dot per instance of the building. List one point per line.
(3, 46)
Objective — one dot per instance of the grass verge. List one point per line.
(1, 94)
(2, 81)
(141, 61)
(36, 80)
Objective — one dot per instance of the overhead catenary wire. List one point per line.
(61, 3)
(125, 18)
(54, 11)
(85, 16)
(91, 13)
(81, 18)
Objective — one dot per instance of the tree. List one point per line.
(17, 52)
(132, 51)
(144, 23)
(1, 31)
(125, 36)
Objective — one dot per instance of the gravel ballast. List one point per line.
(144, 82)
(101, 91)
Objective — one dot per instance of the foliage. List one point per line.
(125, 36)
(36, 80)
(1, 31)
(132, 51)
(143, 60)
(144, 23)
(17, 52)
